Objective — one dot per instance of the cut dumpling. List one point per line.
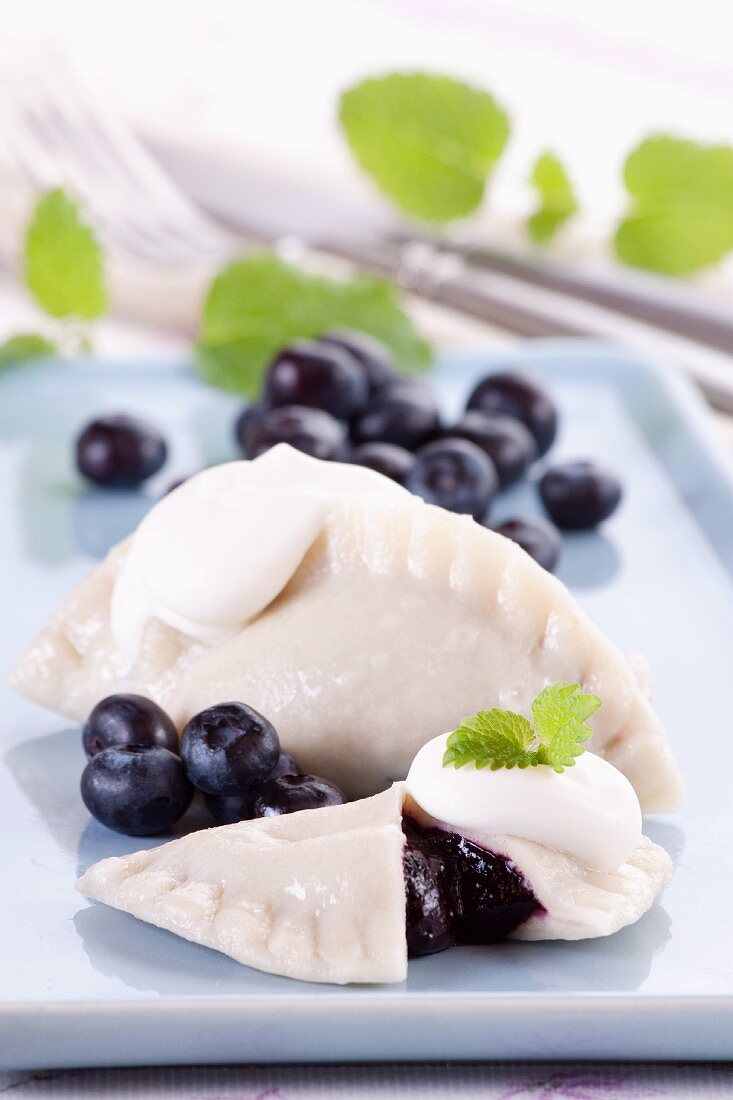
(316, 895)
(369, 622)
(320, 895)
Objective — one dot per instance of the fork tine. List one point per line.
(62, 136)
(129, 158)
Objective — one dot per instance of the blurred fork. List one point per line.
(60, 133)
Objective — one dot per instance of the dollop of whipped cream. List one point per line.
(211, 555)
(589, 811)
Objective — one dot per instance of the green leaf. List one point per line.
(428, 141)
(560, 713)
(681, 216)
(258, 304)
(502, 739)
(63, 261)
(491, 739)
(23, 347)
(557, 198)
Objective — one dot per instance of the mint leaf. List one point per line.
(681, 216)
(560, 713)
(556, 195)
(258, 304)
(491, 739)
(429, 142)
(63, 261)
(502, 739)
(23, 347)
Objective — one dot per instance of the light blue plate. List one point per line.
(82, 984)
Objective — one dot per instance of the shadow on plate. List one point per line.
(668, 836)
(97, 842)
(148, 958)
(47, 770)
(588, 560)
(102, 517)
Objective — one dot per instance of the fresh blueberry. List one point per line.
(286, 765)
(246, 422)
(508, 443)
(394, 462)
(228, 808)
(456, 475)
(120, 452)
(540, 539)
(580, 495)
(312, 431)
(318, 375)
(128, 720)
(229, 749)
(136, 789)
(291, 793)
(403, 413)
(518, 396)
(373, 356)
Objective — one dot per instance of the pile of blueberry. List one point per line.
(139, 781)
(340, 397)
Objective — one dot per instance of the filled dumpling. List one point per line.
(359, 619)
(345, 893)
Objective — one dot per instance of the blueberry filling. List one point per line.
(459, 893)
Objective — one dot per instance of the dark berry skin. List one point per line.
(318, 375)
(540, 539)
(579, 495)
(373, 356)
(387, 459)
(508, 443)
(403, 413)
(248, 419)
(128, 720)
(456, 475)
(120, 452)
(291, 793)
(139, 790)
(519, 397)
(229, 749)
(286, 765)
(312, 431)
(228, 808)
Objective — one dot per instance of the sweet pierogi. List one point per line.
(320, 895)
(359, 619)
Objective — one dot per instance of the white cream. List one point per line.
(589, 811)
(214, 553)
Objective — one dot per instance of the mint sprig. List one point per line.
(503, 739)
(257, 305)
(428, 141)
(63, 260)
(23, 347)
(557, 202)
(681, 214)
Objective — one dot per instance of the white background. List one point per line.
(587, 77)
